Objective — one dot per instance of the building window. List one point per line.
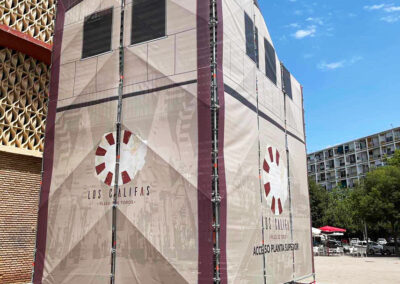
(270, 61)
(251, 48)
(148, 20)
(287, 83)
(97, 30)
(257, 51)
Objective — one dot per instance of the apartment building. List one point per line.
(345, 164)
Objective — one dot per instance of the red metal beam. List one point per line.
(24, 43)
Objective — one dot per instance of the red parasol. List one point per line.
(330, 229)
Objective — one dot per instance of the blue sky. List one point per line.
(346, 54)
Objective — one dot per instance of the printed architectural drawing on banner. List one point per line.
(151, 133)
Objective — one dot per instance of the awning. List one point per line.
(315, 231)
(329, 229)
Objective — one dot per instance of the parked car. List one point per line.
(374, 248)
(381, 241)
(347, 248)
(362, 243)
(333, 244)
(389, 249)
(354, 241)
(391, 240)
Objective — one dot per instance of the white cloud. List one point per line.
(315, 20)
(309, 32)
(355, 59)
(374, 7)
(391, 18)
(392, 9)
(387, 8)
(332, 65)
(293, 25)
(283, 38)
(338, 64)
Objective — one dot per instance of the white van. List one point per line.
(354, 241)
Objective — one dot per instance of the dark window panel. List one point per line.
(287, 83)
(270, 61)
(97, 33)
(249, 29)
(257, 50)
(148, 20)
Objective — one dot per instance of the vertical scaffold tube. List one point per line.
(259, 149)
(41, 180)
(118, 145)
(216, 198)
(288, 165)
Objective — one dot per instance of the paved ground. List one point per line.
(347, 269)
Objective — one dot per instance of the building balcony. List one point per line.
(331, 178)
(373, 145)
(374, 157)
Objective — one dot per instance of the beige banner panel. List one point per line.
(157, 229)
(147, 210)
(272, 206)
(300, 207)
(294, 109)
(79, 221)
(244, 210)
(276, 204)
(79, 226)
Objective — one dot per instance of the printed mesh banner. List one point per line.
(136, 76)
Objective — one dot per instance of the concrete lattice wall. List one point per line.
(32, 17)
(24, 93)
(23, 108)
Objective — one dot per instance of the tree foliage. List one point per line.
(375, 201)
(319, 199)
(395, 160)
(340, 211)
(381, 195)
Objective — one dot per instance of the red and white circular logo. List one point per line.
(132, 157)
(275, 180)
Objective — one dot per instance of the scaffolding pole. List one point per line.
(41, 176)
(259, 149)
(118, 146)
(216, 198)
(288, 165)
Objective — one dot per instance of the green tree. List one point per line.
(355, 200)
(318, 202)
(377, 200)
(395, 160)
(339, 211)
